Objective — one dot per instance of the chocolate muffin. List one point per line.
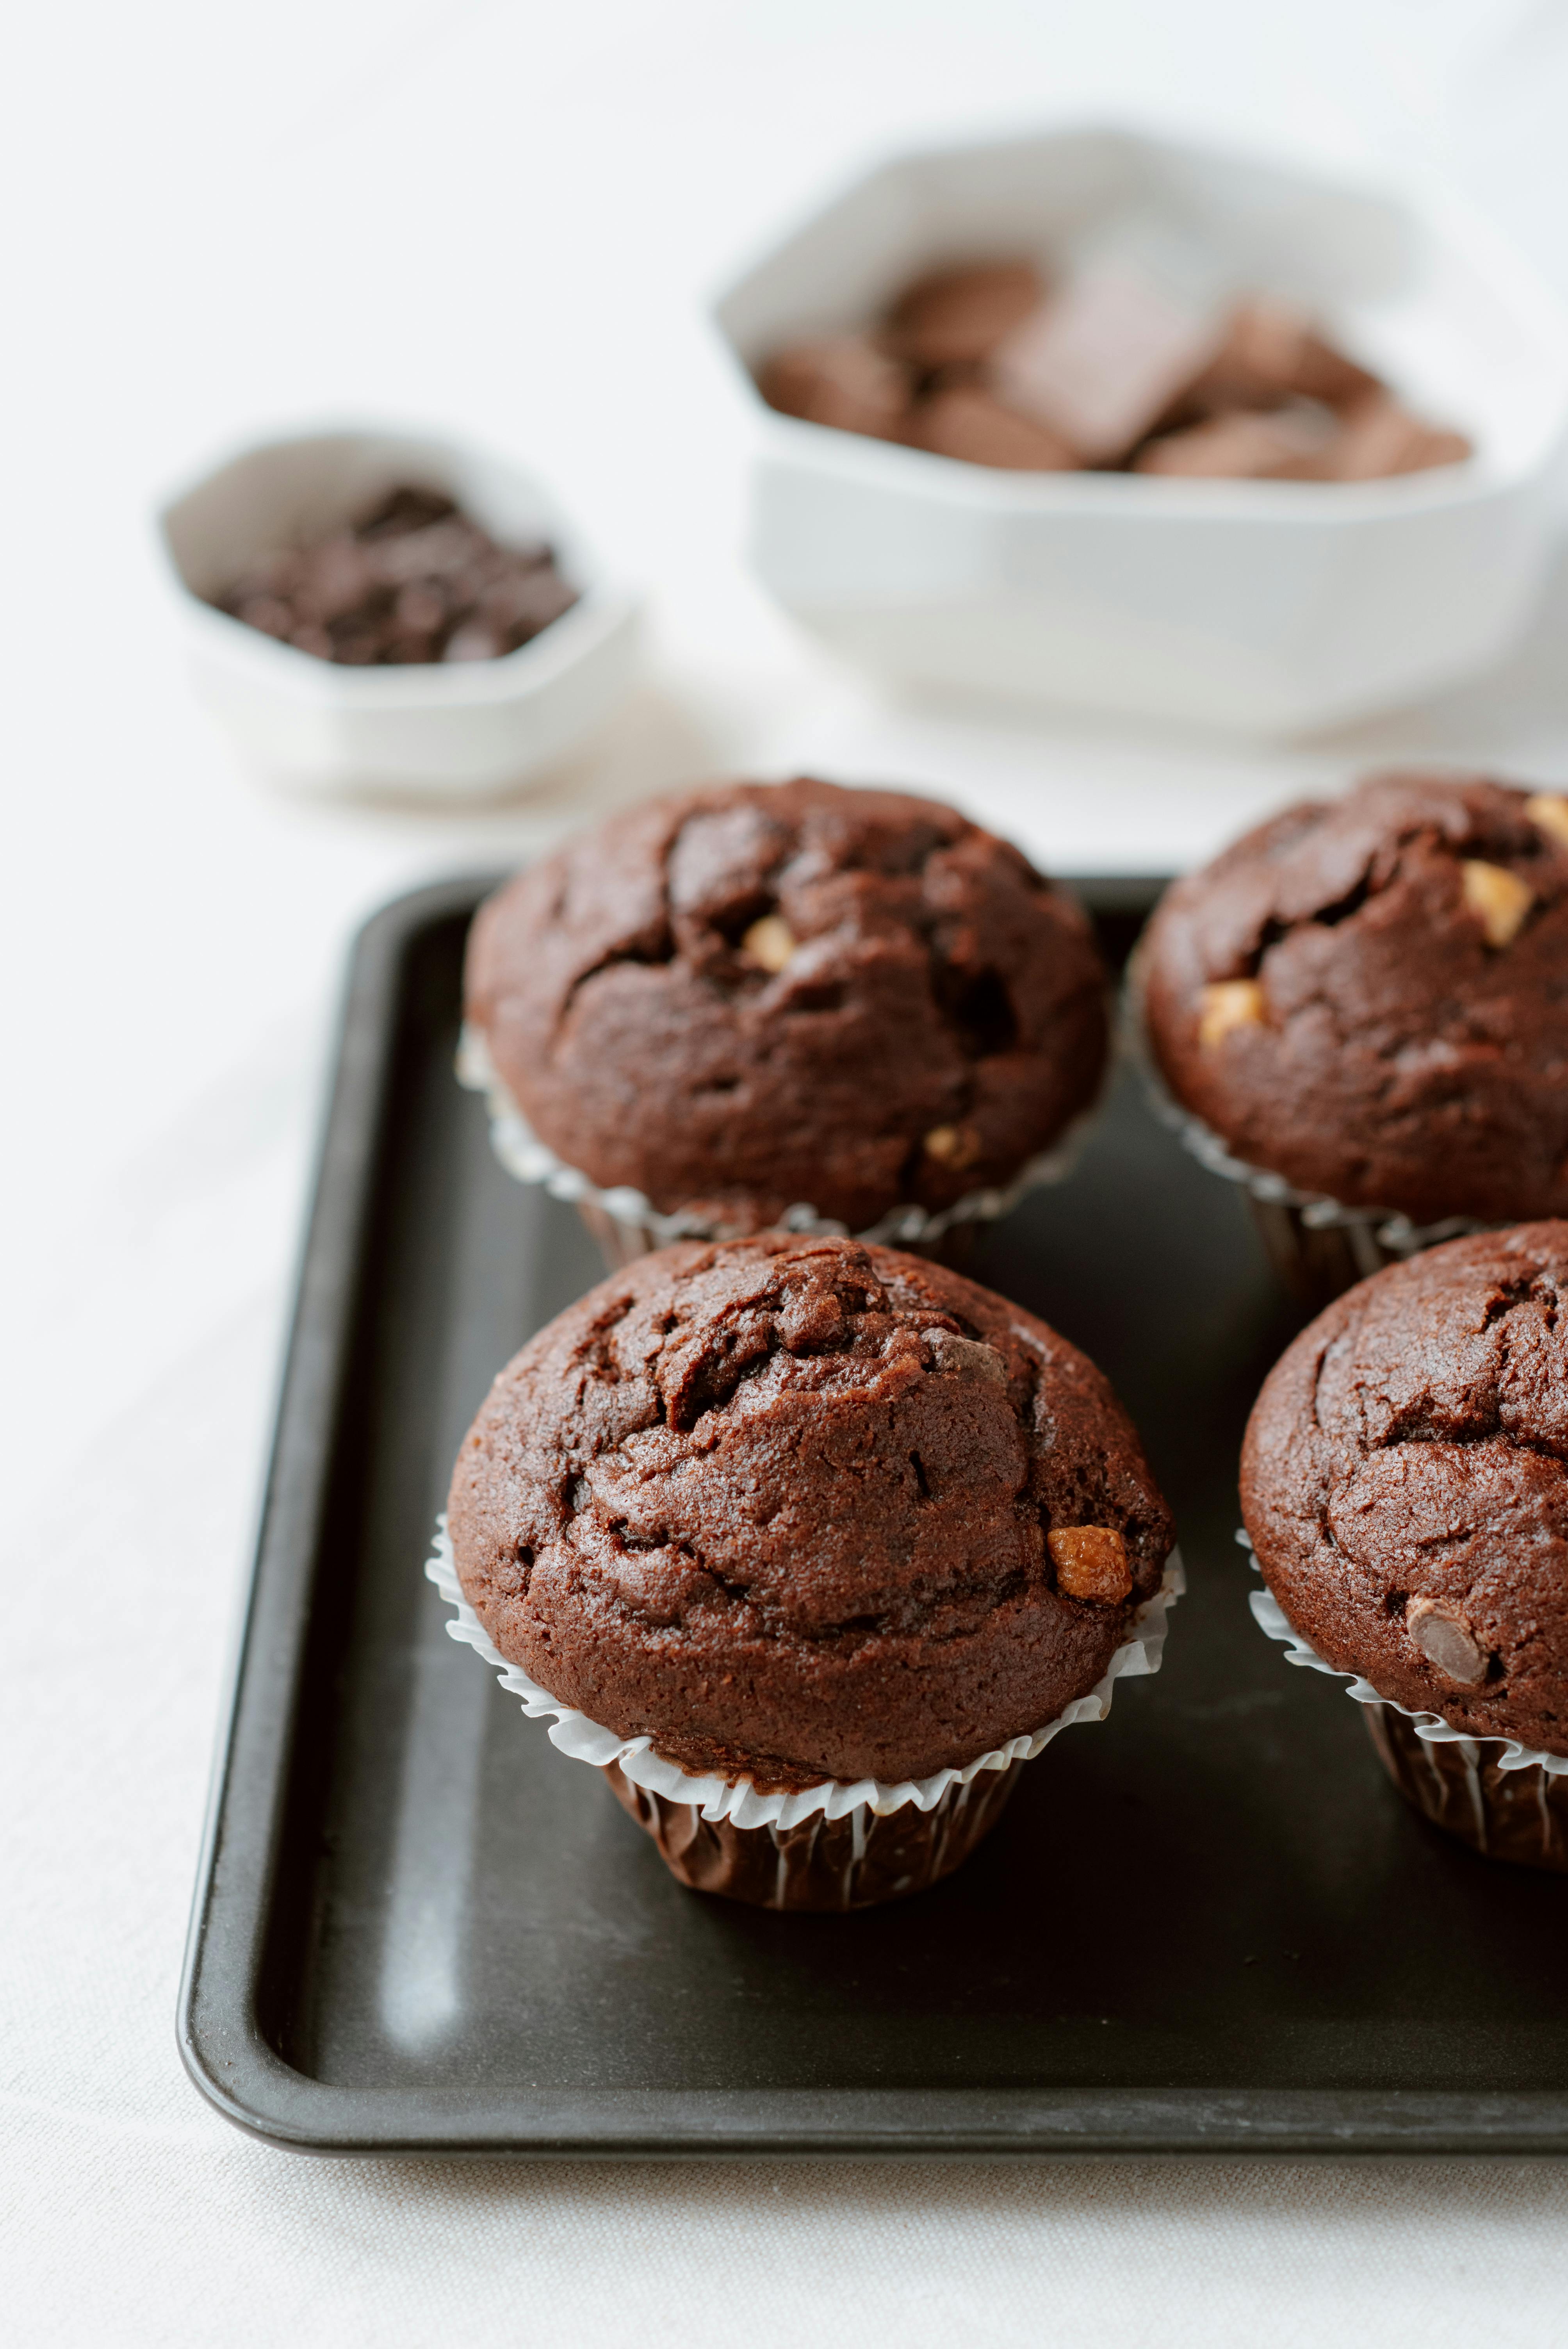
(1405, 1488)
(800, 1510)
(742, 999)
(1367, 997)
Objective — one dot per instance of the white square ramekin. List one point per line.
(470, 729)
(1266, 607)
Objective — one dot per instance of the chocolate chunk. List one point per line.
(475, 640)
(1136, 360)
(1282, 444)
(421, 608)
(268, 613)
(956, 318)
(1100, 363)
(445, 549)
(966, 1355)
(403, 511)
(520, 603)
(1380, 437)
(1271, 353)
(839, 379)
(415, 581)
(337, 579)
(969, 423)
(357, 647)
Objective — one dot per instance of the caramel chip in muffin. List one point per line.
(1090, 1563)
(1549, 812)
(1229, 1004)
(771, 942)
(954, 1145)
(1499, 899)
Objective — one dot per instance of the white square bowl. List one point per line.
(1265, 608)
(464, 730)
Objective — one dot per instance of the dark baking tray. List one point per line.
(1208, 1925)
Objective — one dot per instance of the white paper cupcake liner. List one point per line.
(1390, 1233)
(1272, 1619)
(527, 1158)
(738, 1799)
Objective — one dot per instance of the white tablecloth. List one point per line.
(503, 217)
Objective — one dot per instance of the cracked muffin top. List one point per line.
(1404, 1484)
(806, 1509)
(742, 999)
(1369, 996)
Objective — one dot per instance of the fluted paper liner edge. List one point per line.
(738, 1800)
(528, 1159)
(1271, 1618)
(1392, 1230)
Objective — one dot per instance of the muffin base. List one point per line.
(1318, 1246)
(1517, 1816)
(840, 1847)
(627, 1224)
(622, 1239)
(858, 1861)
(1318, 1249)
(1506, 1800)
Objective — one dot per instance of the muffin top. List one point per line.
(740, 1000)
(1368, 997)
(806, 1509)
(1404, 1484)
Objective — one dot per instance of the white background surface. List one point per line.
(500, 217)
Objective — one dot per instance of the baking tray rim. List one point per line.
(220, 2036)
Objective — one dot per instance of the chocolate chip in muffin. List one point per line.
(1367, 996)
(757, 996)
(804, 1509)
(1404, 1484)
(1445, 1640)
